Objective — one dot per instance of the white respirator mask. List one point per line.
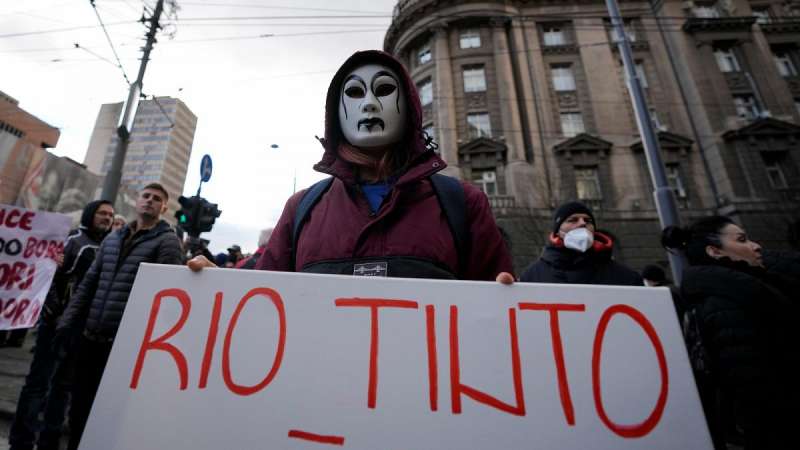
(579, 239)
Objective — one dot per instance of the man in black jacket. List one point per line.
(99, 302)
(577, 254)
(47, 384)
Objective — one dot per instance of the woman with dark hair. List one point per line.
(745, 319)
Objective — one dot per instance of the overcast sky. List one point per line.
(247, 90)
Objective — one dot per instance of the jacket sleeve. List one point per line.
(78, 308)
(169, 250)
(278, 252)
(488, 253)
(56, 297)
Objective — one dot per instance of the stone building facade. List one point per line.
(528, 100)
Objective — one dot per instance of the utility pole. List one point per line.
(125, 126)
(685, 97)
(664, 197)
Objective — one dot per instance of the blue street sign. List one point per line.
(205, 168)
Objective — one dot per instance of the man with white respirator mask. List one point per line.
(577, 254)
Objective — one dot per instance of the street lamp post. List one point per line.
(294, 171)
(666, 205)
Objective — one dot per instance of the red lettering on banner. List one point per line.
(6, 310)
(322, 439)
(433, 368)
(161, 342)
(16, 218)
(374, 304)
(457, 388)
(11, 274)
(21, 307)
(641, 429)
(276, 364)
(34, 316)
(211, 340)
(29, 281)
(39, 249)
(558, 350)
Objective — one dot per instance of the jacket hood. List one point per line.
(414, 141)
(87, 217)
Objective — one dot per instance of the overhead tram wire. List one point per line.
(110, 43)
(65, 29)
(297, 8)
(549, 17)
(100, 57)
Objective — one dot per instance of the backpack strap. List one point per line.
(310, 198)
(453, 202)
(449, 192)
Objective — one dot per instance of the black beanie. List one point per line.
(568, 209)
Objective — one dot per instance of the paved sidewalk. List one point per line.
(14, 364)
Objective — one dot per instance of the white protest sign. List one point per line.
(28, 242)
(229, 359)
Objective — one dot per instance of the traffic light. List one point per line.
(187, 215)
(197, 215)
(207, 216)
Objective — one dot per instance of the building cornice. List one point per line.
(699, 25)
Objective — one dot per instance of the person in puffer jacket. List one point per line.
(747, 321)
(48, 383)
(380, 213)
(98, 304)
(578, 254)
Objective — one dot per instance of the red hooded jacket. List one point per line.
(409, 223)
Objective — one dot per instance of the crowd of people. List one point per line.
(386, 211)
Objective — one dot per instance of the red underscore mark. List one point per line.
(161, 342)
(373, 304)
(457, 388)
(558, 350)
(640, 429)
(322, 439)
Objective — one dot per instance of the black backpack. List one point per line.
(448, 191)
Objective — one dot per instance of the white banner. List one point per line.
(229, 359)
(29, 240)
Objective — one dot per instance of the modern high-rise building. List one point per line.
(159, 148)
(528, 99)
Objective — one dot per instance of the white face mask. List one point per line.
(372, 109)
(579, 239)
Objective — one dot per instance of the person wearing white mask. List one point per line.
(385, 209)
(577, 254)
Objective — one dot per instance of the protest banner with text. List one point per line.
(29, 242)
(254, 360)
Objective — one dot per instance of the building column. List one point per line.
(444, 102)
(533, 175)
(507, 92)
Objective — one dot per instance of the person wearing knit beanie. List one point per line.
(567, 209)
(576, 253)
